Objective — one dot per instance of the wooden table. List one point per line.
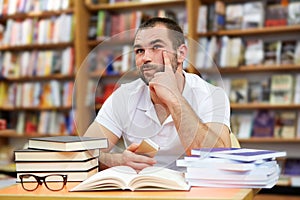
(16, 192)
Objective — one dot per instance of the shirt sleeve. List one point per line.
(109, 117)
(216, 107)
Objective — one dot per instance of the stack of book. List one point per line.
(74, 156)
(232, 167)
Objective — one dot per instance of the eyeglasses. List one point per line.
(53, 182)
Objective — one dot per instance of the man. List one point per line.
(177, 110)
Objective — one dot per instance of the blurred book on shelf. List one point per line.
(276, 14)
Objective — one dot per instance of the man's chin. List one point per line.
(146, 80)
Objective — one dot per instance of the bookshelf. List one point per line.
(257, 72)
(15, 21)
(82, 10)
(92, 44)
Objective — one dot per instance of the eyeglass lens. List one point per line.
(52, 182)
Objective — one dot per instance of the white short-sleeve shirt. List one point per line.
(130, 113)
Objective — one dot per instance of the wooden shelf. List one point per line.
(60, 45)
(129, 74)
(134, 5)
(254, 31)
(253, 69)
(269, 140)
(254, 106)
(39, 108)
(41, 14)
(41, 78)
(108, 42)
(10, 133)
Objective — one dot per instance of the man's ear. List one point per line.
(181, 53)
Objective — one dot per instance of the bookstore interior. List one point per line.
(250, 48)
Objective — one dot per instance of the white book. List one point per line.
(21, 6)
(257, 170)
(235, 52)
(41, 31)
(12, 7)
(67, 143)
(297, 53)
(253, 14)
(1, 7)
(222, 164)
(18, 95)
(6, 63)
(66, 61)
(240, 154)
(224, 51)
(202, 19)
(126, 55)
(24, 61)
(7, 32)
(64, 4)
(211, 52)
(233, 176)
(28, 6)
(201, 52)
(20, 123)
(36, 94)
(234, 183)
(43, 122)
(25, 98)
(57, 166)
(245, 127)
(297, 89)
(298, 126)
(55, 93)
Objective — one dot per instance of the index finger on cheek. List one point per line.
(167, 60)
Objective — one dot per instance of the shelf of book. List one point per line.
(253, 31)
(36, 14)
(37, 108)
(277, 48)
(256, 106)
(269, 140)
(59, 45)
(114, 42)
(39, 36)
(13, 134)
(132, 5)
(40, 78)
(129, 74)
(254, 69)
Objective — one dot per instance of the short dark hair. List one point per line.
(177, 35)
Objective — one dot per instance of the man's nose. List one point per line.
(147, 57)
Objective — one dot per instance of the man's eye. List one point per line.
(139, 51)
(156, 47)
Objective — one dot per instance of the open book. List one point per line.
(126, 178)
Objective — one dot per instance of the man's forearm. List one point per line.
(109, 160)
(192, 132)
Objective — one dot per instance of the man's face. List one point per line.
(148, 47)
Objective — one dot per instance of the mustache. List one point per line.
(151, 66)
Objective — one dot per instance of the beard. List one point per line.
(147, 71)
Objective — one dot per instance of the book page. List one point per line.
(113, 178)
(157, 178)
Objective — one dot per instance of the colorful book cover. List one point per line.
(263, 123)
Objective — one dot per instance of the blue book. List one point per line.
(239, 154)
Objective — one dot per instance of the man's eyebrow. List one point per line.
(151, 43)
(137, 46)
(157, 41)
